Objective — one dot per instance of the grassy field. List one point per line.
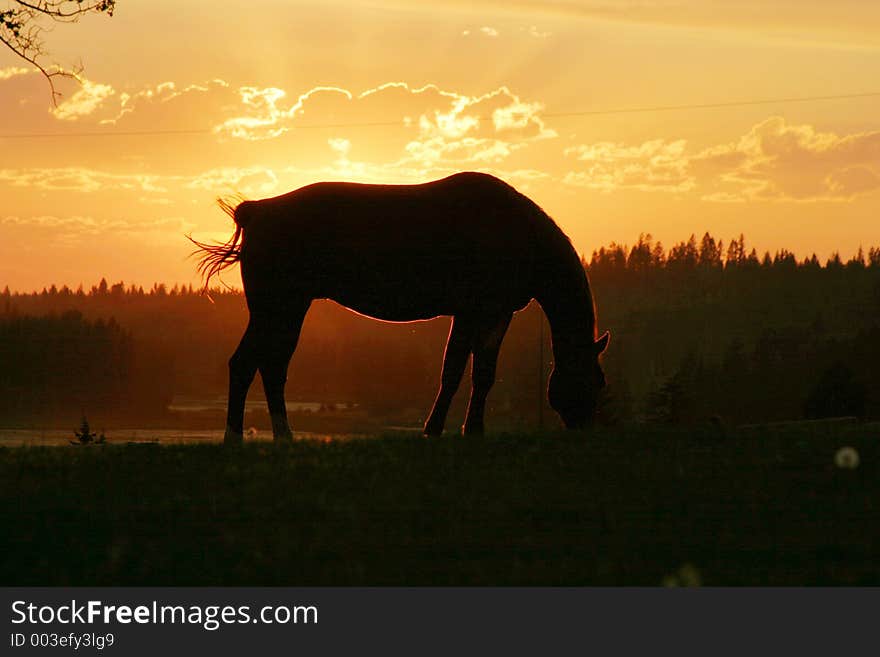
(639, 506)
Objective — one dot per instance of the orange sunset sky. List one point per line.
(262, 97)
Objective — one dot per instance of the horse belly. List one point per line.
(401, 296)
(402, 291)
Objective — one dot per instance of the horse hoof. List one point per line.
(233, 438)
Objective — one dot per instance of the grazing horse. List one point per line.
(469, 246)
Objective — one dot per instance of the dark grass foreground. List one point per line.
(639, 506)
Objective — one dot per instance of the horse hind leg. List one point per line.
(487, 345)
(280, 339)
(242, 368)
(458, 348)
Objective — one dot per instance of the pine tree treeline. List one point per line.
(116, 291)
(710, 330)
(647, 255)
(56, 365)
(786, 375)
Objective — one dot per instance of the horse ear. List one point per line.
(602, 343)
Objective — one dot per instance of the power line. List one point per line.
(374, 124)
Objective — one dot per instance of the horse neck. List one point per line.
(568, 304)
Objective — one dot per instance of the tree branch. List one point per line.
(56, 8)
(20, 31)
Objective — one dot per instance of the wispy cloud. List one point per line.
(340, 145)
(533, 31)
(485, 30)
(247, 180)
(426, 127)
(774, 160)
(438, 126)
(250, 180)
(158, 95)
(79, 179)
(266, 118)
(86, 225)
(654, 165)
(84, 101)
(13, 71)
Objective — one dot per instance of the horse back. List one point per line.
(397, 250)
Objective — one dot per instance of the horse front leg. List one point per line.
(487, 345)
(458, 348)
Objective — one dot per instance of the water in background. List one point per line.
(59, 437)
(184, 405)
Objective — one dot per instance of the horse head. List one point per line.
(574, 392)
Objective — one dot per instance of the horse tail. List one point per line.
(217, 256)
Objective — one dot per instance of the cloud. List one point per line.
(89, 223)
(99, 107)
(852, 181)
(437, 127)
(493, 33)
(516, 115)
(13, 71)
(158, 96)
(655, 165)
(79, 179)
(426, 132)
(165, 103)
(486, 31)
(266, 118)
(533, 31)
(65, 228)
(340, 145)
(86, 100)
(424, 127)
(247, 180)
(461, 129)
(774, 160)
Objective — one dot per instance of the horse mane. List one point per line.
(564, 257)
(217, 256)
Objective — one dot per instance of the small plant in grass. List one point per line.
(85, 435)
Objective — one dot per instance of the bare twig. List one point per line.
(21, 31)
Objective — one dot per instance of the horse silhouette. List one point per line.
(469, 246)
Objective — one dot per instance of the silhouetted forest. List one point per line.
(57, 362)
(700, 330)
